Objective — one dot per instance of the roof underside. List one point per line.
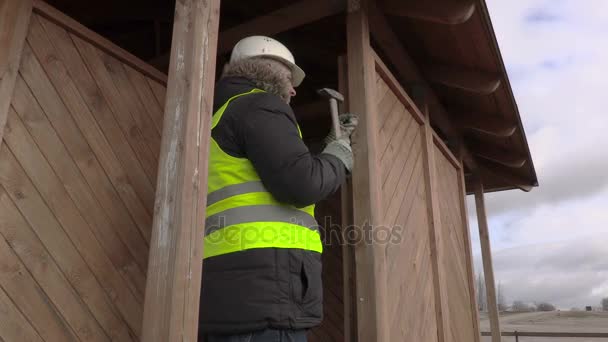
(455, 50)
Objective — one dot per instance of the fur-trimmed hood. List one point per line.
(261, 72)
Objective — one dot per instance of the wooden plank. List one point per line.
(472, 81)
(455, 264)
(26, 295)
(85, 102)
(486, 256)
(370, 274)
(488, 123)
(396, 156)
(394, 116)
(13, 325)
(399, 142)
(53, 152)
(281, 20)
(439, 282)
(50, 143)
(47, 274)
(395, 86)
(159, 92)
(56, 241)
(100, 42)
(79, 130)
(99, 67)
(133, 103)
(49, 187)
(174, 272)
(14, 21)
(445, 150)
(443, 12)
(468, 250)
(346, 220)
(147, 98)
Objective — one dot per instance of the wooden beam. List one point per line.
(489, 170)
(14, 22)
(175, 263)
(281, 20)
(468, 250)
(498, 154)
(346, 220)
(486, 255)
(372, 323)
(472, 81)
(491, 124)
(444, 12)
(440, 285)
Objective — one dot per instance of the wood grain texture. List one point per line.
(14, 21)
(78, 99)
(74, 222)
(34, 167)
(456, 262)
(14, 326)
(412, 310)
(174, 269)
(372, 322)
(486, 255)
(100, 42)
(47, 274)
(25, 293)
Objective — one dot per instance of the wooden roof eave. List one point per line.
(502, 167)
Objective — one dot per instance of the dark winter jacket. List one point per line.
(267, 287)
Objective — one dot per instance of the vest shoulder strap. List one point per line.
(218, 114)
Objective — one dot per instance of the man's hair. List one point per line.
(261, 72)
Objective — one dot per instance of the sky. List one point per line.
(551, 244)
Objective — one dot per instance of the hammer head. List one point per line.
(330, 94)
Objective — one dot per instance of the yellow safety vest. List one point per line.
(242, 214)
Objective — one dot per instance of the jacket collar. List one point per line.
(228, 87)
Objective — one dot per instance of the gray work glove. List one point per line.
(348, 123)
(340, 148)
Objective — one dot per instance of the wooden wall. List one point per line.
(78, 165)
(425, 261)
(409, 279)
(455, 243)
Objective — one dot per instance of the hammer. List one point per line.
(333, 97)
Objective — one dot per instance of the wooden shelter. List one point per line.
(103, 182)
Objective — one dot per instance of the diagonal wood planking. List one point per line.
(80, 103)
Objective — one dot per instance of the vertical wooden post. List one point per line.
(468, 250)
(428, 155)
(346, 210)
(486, 255)
(372, 323)
(14, 22)
(174, 266)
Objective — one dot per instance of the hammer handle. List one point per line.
(333, 105)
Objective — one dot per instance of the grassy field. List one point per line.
(557, 321)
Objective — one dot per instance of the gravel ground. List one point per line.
(557, 321)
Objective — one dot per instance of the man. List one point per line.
(262, 261)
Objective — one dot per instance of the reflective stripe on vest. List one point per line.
(242, 214)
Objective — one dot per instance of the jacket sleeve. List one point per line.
(269, 137)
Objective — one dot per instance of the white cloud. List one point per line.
(552, 243)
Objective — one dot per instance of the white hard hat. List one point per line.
(259, 46)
